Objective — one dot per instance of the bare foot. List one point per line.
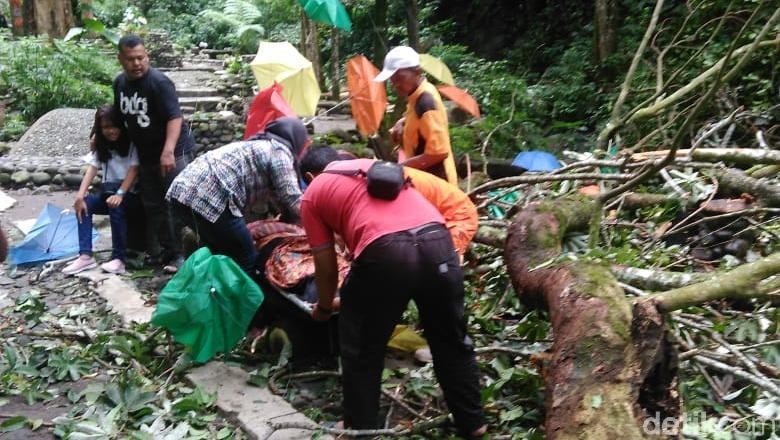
(479, 432)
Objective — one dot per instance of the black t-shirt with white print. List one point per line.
(146, 105)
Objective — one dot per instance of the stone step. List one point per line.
(201, 103)
(196, 92)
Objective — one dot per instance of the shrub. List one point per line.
(13, 128)
(39, 75)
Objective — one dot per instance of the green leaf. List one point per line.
(514, 414)
(596, 401)
(13, 424)
(94, 25)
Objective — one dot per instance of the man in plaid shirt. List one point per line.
(212, 194)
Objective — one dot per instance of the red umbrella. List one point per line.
(368, 99)
(461, 98)
(267, 106)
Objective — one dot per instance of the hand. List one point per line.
(397, 132)
(115, 200)
(167, 162)
(80, 208)
(319, 314)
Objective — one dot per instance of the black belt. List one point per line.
(422, 229)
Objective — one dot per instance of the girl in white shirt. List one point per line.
(117, 158)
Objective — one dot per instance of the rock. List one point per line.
(43, 189)
(57, 179)
(4, 178)
(737, 247)
(226, 138)
(20, 177)
(7, 167)
(72, 179)
(4, 148)
(227, 114)
(40, 178)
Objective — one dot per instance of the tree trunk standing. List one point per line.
(380, 32)
(16, 11)
(605, 21)
(413, 24)
(611, 367)
(335, 77)
(309, 45)
(36, 17)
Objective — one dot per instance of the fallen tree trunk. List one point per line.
(611, 367)
(739, 156)
(737, 182)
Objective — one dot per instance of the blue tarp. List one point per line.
(54, 236)
(536, 161)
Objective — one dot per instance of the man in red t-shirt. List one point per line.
(402, 251)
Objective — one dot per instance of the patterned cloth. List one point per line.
(236, 176)
(291, 261)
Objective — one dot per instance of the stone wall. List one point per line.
(213, 130)
(31, 171)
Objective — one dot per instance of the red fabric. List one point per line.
(267, 106)
(341, 204)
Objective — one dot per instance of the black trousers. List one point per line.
(421, 265)
(227, 236)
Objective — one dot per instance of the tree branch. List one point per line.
(741, 282)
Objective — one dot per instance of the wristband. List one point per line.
(120, 192)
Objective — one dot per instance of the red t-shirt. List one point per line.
(341, 204)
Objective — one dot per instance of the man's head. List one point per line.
(402, 67)
(133, 57)
(315, 160)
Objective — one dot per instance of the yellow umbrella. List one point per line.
(283, 64)
(436, 68)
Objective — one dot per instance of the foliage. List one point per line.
(40, 75)
(13, 128)
(242, 19)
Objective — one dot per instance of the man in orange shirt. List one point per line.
(460, 214)
(424, 130)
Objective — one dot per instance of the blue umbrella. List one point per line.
(536, 161)
(55, 235)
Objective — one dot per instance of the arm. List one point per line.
(172, 132)
(326, 277)
(78, 205)
(116, 199)
(397, 132)
(424, 161)
(284, 180)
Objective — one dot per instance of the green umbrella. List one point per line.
(208, 304)
(330, 12)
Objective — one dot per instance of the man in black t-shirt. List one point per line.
(150, 110)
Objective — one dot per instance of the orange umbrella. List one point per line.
(461, 98)
(368, 99)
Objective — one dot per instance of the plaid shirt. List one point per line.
(236, 176)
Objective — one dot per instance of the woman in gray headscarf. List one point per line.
(212, 194)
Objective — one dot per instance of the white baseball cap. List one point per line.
(399, 57)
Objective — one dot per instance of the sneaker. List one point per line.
(173, 266)
(116, 266)
(80, 264)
